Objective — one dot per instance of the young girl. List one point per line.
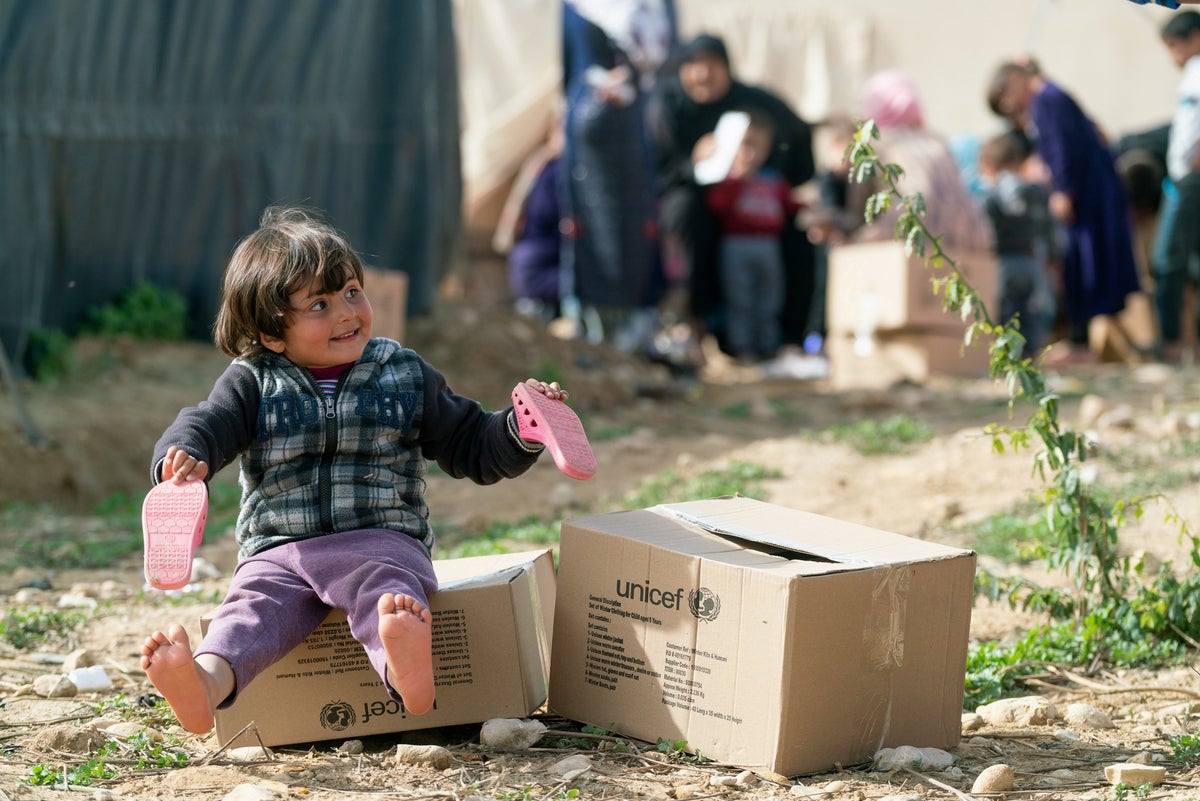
(333, 430)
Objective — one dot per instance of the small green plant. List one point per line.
(737, 478)
(677, 751)
(80, 775)
(740, 410)
(1013, 537)
(874, 437)
(144, 312)
(157, 714)
(48, 356)
(1185, 748)
(22, 628)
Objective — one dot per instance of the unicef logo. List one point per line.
(704, 603)
(337, 716)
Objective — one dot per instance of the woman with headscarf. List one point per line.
(891, 100)
(612, 51)
(684, 112)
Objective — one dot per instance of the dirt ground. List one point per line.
(101, 423)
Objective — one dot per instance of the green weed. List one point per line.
(48, 356)
(144, 312)
(22, 628)
(874, 437)
(740, 410)
(1185, 748)
(669, 486)
(1012, 537)
(676, 750)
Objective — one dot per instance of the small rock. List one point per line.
(1086, 716)
(102, 795)
(352, 747)
(132, 728)
(835, 786)
(804, 791)
(574, 766)
(79, 658)
(1134, 775)
(43, 658)
(250, 792)
(972, 721)
(54, 685)
(90, 679)
(1143, 758)
(745, 779)
(1119, 417)
(73, 600)
(250, 753)
(685, 791)
(1030, 710)
(993, 779)
(722, 781)
(1091, 407)
(100, 724)
(901, 797)
(26, 596)
(907, 756)
(1067, 736)
(511, 734)
(433, 756)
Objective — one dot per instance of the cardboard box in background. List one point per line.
(873, 286)
(883, 359)
(388, 292)
(763, 636)
(492, 619)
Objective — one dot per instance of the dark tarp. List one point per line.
(141, 139)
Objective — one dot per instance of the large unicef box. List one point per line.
(761, 635)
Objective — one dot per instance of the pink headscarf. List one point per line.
(891, 100)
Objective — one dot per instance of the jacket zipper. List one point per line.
(325, 469)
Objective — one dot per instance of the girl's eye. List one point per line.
(318, 306)
(352, 292)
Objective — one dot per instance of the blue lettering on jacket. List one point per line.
(392, 409)
(281, 415)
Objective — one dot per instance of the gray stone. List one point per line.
(907, 756)
(433, 756)
(571, 767)
(972, 722)
(352, 747)
(993, 779)
(249, 753)
(250, 792)
(1030, 710)
(79, 658)
(1086, 716)
(1134, 775)
(512, 734)
(54, 685)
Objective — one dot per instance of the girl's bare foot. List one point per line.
(406, 630)
(167, 660)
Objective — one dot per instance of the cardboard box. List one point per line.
(388, 292)
(763, 636)
(873, 286)
(492, 619)
(883, 359)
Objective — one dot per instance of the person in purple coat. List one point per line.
(1099, 271)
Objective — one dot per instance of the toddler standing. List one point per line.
(753, 205)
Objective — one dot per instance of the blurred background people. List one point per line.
(1099, 270)
(612, 51)
(686, 109)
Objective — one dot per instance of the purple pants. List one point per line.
(277, 597)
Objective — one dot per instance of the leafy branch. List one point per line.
(1083, 519)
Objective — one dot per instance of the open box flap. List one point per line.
(804, 533)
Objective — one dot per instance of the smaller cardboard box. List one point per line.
(880, 360)
(492, 619)
(762, 636)
(388, 291)
(873, 286)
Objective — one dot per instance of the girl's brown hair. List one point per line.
(291, 250)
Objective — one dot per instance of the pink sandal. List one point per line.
(172, 525)
(553, 424)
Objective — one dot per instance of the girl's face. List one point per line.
(326, 328)
(1018, 93)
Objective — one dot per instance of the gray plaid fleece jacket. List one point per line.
(312, 466)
